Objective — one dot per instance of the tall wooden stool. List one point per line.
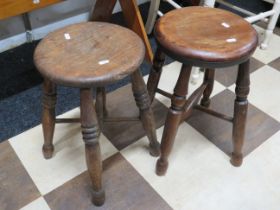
(84, 56)
(209, 38)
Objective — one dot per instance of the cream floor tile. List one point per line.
(192, 155)
(265, 162)
(264, 91)
(169, 78)
(38, 204)
(258, 177)
(201, 177)
(69, 156)
(272, 52)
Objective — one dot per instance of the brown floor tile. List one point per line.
(16, 187)
(227, 76)
(121, 103)
(275, 64)
(124, 187)
(259, 128)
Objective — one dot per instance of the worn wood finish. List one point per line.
(48, 117)
(164, 93)
(104, 102)
(100, 105)
(9, 8)
(199, 36)
(90, 55)
(214, 113)
(240, 112)
(91, 133)
(209, 78)
(121, 103)
(134, 21)
(103, 12)
(155, 73)
(173, 118)
(206, 37)
(89, 58)
(193, 100)
(146, 115)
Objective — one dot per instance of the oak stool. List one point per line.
(209, 38)
(85, 56)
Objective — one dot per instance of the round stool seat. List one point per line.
(89, 54)
(203, 36)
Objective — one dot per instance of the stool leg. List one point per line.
(48, 117)
(155, 73)
(100, 105)
(105, 112)
(90, 132)
(209, 77)
(173, 118)
(146, 115)
(240, 112)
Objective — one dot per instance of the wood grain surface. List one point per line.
(206, 34)
(89, 54)
(103, 10)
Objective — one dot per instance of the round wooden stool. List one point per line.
(209, 38)
(84, 56)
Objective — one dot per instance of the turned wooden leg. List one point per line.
(146, 115)
(209, 77)
(48, 117)
(173, 118)
(90, 132)
(240, 112)
(100, 105)
(155, 73)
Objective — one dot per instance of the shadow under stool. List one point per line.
(209, 38)
(85, 56)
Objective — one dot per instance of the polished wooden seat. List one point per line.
(209, 38)
(88, 55)
(202, 36)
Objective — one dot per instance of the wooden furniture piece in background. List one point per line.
(9, 8)
(85, 56)
(103, 12)
(208, 38)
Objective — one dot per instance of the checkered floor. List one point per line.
(200, 175)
